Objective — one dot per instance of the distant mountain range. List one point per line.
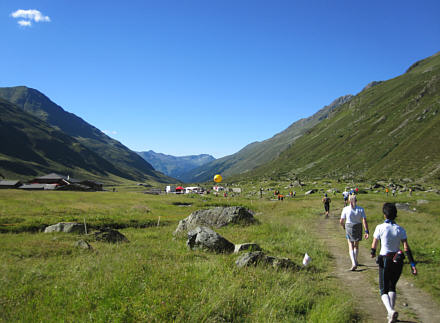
(389, 130)
(174, 166)
(114, 157)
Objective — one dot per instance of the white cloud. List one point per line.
(110, 132)
(28, 16)
(25, 23)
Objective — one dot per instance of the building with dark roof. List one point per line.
(4, 184)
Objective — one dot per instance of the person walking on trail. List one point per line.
(352, 218)
(326, 200)
(390, 259)
(345, 196)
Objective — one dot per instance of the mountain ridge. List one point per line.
(174, 166)
(128, 162)
(390, 130)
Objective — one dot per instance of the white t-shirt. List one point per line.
(345, 194)
(390, 236)
(353, 215)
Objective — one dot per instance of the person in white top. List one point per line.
(390, 259)
(352, 218)
(345, 196)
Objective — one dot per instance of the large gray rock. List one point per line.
(69, 227)
(215, 218)
(312, 191)
(203, 238)
(110, 235)
(258, 257)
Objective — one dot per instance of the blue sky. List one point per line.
(209, 76)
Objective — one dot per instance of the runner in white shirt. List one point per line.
(345, 196)
(390, 258)
(352, 218)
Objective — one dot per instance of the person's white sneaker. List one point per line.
(392, 317)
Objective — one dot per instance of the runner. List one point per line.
(345, 196)
(390, 258)
(352, 218)
(326, 200)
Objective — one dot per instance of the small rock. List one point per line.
(422, 202)
(203, 238)
(405, 304)
(246, 246)
(83, 244)
(110, 235)
(258, 257)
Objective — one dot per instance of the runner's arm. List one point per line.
(342, 223)
(367, 233)
(410, 256)
(373, 248)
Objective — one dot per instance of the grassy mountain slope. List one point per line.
(389, 130)
(172, 165)
(128, 162)
(30, 147)
(259, 153)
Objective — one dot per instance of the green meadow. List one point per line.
(155, 278)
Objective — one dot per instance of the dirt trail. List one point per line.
(413, 304)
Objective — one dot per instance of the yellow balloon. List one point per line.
(218, 178)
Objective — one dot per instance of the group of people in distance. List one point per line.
(390, 235)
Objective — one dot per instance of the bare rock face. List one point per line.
(215, 218)
(69, 227)
(110, 235)
(203, 238)
(258, 257)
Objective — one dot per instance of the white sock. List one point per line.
(353, 261)
(386, 302)
(392, 296)
(356, 252)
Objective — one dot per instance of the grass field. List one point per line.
(155, 277)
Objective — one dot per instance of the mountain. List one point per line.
(175, 166)
(30, 147)
(390, 130)
(259, 153)
(128, 163)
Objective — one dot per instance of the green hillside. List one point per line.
(391, 130)
(31, 147)
(259, 153)
(128, 163)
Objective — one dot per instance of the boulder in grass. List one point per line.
(82, 244)
(215, 218)
(246, 246)
(258, 257)
(312, 191)
(69, 227)
(203, 238)
(110, 235)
